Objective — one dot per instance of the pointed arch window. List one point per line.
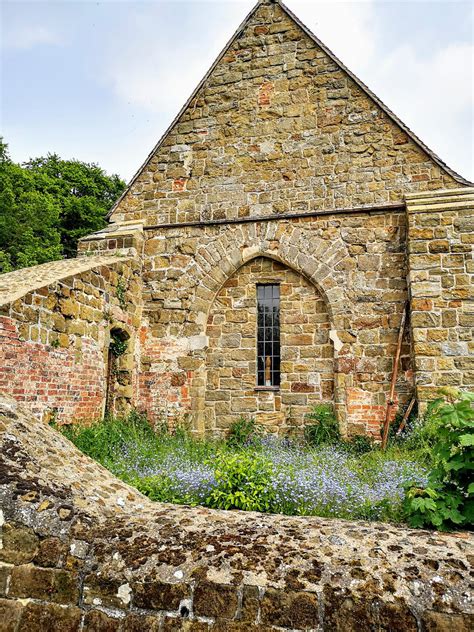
(268, 335)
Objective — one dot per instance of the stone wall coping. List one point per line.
(14, 285)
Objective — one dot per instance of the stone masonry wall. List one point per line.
(307, 355)
(55, 323)
(355, 262)
(83, 552)
(441, 264)
(277, 127)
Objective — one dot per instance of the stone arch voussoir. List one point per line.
(297, 249)
(239, 247)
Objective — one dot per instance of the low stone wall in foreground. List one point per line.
(80, 550)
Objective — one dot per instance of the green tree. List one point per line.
(47, 204)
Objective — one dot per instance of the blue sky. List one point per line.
(101, 81)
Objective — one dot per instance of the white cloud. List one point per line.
(27, 36)
(432, 93)
(159, 67)
(347, 28)
(434, 96)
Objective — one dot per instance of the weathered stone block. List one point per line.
(10, 614)
(293, 610)
(140, 623)
(159, 595)
(446, 622)
(37, 617)
(215, 600)
(20, 544)
(49, 552)
(69, 307)
(250, 604)
(98, 590)
(98, 621)
(44, 583)
(177, 624)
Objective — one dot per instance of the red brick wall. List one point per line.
(52, 382)
(54, 342)
(164, 392)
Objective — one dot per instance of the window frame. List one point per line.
(270, 322)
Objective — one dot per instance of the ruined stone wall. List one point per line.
(278, 127)
(82, 551)
(55, 324)
(441, 264)
(307, 356)
(356, 264)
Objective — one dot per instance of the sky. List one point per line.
(101, 81)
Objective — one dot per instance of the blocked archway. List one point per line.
(305, 351)
(320, 256)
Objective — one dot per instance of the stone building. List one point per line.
(260, 260)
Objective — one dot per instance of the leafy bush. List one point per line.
(243, 481)
(324, 428)
(244, 432)
(447, 501)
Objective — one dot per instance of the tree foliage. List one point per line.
(47, 204)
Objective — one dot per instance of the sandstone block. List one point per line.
(44, 583)
(215, 600)
(20, 544)
(159, 595)
(10, 614)
(294, 610)
(69, 307)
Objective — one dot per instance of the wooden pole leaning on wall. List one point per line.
(396, 361)
(406, 417)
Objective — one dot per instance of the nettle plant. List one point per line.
(447, 501)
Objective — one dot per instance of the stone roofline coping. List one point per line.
(122, 229)
(439, 193)
(110, 235)
(441, 200)
(431, 154)
(108, 260)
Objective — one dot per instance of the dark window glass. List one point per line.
(268, 335)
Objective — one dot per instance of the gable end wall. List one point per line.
(277, 127)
